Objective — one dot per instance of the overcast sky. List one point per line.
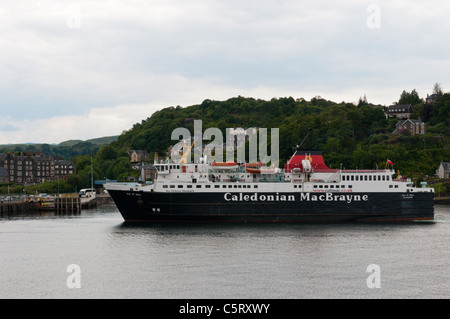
(87, 69)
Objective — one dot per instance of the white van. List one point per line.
(87, 192)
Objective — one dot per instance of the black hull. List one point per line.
(289, 207)
(265, 207)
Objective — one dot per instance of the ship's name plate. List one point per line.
(255, 197)
(330, 197)
(308, 197)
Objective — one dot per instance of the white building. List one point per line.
(444, 170)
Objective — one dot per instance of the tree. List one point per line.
(410, 98)
(106, 153)
(362, 101)
(437, 89)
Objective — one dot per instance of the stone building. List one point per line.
(24, 169)
(138, 156)
(400, 111)
(412, 126)
(444, 170)
(4, 177)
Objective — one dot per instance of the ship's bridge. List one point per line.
(366, 175)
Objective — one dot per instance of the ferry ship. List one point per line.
(306, 190)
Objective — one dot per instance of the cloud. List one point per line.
(102, 121)
(68, 59)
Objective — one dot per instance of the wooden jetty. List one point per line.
(67, 205)
(60, 205)
(14, 208)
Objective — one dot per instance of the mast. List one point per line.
(92, 175)
(301, 144)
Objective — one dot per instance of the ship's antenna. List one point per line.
(301, 144)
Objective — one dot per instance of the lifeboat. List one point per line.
(261, 170)
(223, 165)
(252, 165)
(253, 170)
(268, 170)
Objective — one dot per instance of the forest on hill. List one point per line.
(66, 149)
(351, 136)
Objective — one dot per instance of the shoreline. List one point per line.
(442, 200)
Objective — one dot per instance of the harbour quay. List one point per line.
(11, 206)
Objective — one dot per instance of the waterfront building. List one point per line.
(3, 175)
(25, 169)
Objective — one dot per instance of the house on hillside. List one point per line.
(138, 156)
(148, 171)
(430, 98)
(444, 170)
(400, 111)
(412, 126)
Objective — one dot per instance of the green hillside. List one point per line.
(351, 136)
(97, 141)
(67, 149)
(354, 136)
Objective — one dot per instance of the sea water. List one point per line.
(96, 255)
